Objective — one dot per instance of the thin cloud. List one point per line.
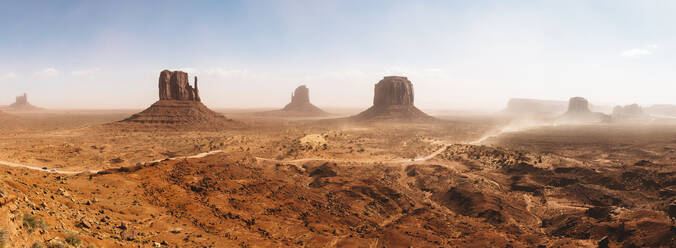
(48, 72)
(84, 72)
(8, 76)
(638, 52)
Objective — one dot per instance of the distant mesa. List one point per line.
(179, 105)
(393, 100)
(542, 108)
(22, 104)
(578, 111)
(632, 112)
(299, 106)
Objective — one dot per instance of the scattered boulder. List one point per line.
(393, 100)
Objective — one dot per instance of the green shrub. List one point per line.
(31, 223)
(73, 240)
(37, 245)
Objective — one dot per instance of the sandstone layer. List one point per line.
(393, 100)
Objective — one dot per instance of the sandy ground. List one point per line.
(332, 183)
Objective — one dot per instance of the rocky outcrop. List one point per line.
(393, 100)
(179, 106)
(578, 111)
(174, 85)
(22, 104)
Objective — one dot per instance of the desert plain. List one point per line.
(457, 181)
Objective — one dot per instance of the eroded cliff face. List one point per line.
(174, 85)
(393, 90)
(393, 100)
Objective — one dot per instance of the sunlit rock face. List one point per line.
(173, 85)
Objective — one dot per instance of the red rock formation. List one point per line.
(173, 85)
(393, 100)
(393, 91)
(179, 106)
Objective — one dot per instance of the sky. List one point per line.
(252, 54)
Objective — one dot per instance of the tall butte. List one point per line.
(300, 104)
(180, 105)
(578, 111)
(393, 100)
(22, 104)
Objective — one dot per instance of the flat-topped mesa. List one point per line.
(578, 105)
(174, 85)
(578, 111)
(393, 90)
(393, 100)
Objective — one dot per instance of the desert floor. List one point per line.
(462, 181)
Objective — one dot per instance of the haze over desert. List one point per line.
(355, 124)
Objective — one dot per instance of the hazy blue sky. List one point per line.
(458, 54)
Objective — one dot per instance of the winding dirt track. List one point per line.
(204, 154)
(67, 172)
(200, 155)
